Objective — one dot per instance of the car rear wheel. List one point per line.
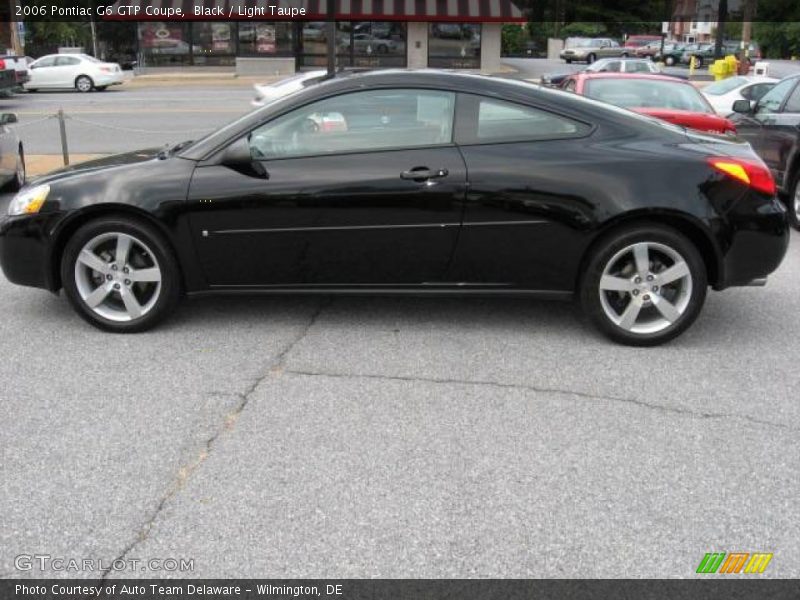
(120, 275)
(84, 84)
(591, 58)
(793, 202)
(568, 61)
(698, 61)
(644, 285)
(669, 61)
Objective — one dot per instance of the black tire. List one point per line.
(164, 300)
(84, 84)
(698, 62)
(568, 61)
(19, 178)
(690, 295)
(669, 61)
(624, 55)
(793, 202)
(590, 59)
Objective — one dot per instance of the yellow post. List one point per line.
(692, 66)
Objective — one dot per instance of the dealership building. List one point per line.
(452, 34)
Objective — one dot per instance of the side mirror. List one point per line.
(8, 118)
(239, 156)
(743, 106)
(238, 153)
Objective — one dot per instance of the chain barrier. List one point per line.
(62, 118)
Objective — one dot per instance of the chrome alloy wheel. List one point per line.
(796, 202)
(118, 276)
(645, 287)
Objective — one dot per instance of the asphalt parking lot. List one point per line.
(400, 437)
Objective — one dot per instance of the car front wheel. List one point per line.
(669, 61)
(644, 285)
(120, 275)
(590, 59)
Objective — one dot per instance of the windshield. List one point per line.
(724, 86)
(647, 93)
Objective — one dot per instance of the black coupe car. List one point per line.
(410, 182)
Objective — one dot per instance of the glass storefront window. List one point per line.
(214, 43)
(165, 44)
(265, 38)
(358, 43)
(379, 44)
(454, 45)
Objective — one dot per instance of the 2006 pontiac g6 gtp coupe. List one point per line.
(410, 182)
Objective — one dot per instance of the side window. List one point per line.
(571, 85)
(66, 61)
(613, 67)
(772, 100)
(637, 67)
(499, 121)
(793, 103)
(46, 62)
(359, 122)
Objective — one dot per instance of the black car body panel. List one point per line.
(503, 217)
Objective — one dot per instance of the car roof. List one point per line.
(648, 76)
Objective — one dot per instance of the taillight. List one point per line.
(753, 173)
(2, 65)
(105, 69)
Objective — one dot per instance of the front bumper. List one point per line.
(25, 250)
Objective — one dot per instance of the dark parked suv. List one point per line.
(772, 126)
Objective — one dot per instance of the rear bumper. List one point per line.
(25, 250)
(754, 242)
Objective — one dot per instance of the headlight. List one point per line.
(28, 202)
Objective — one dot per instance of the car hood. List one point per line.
(98, 164)
(690, 119)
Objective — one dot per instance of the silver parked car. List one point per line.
(590, 49)
(12, 156)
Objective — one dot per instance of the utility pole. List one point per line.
(13, 31)
(722, 16)
(331, 29)
(747, 26)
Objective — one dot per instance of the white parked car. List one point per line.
(722, 94)
(268, 92)
(72, 71)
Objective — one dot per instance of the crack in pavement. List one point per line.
(544, 390)
(186, 471)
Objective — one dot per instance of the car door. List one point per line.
(768, 128)
(66, 70)
(42, 72)
(781, 134)
(522, 217)
(361, 189)
(750, 126)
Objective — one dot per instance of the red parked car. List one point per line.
(660, 96)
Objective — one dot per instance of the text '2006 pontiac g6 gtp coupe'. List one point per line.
(410, 182)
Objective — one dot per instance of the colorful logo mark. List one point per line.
(734, 562)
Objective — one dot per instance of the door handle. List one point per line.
(423, 174)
